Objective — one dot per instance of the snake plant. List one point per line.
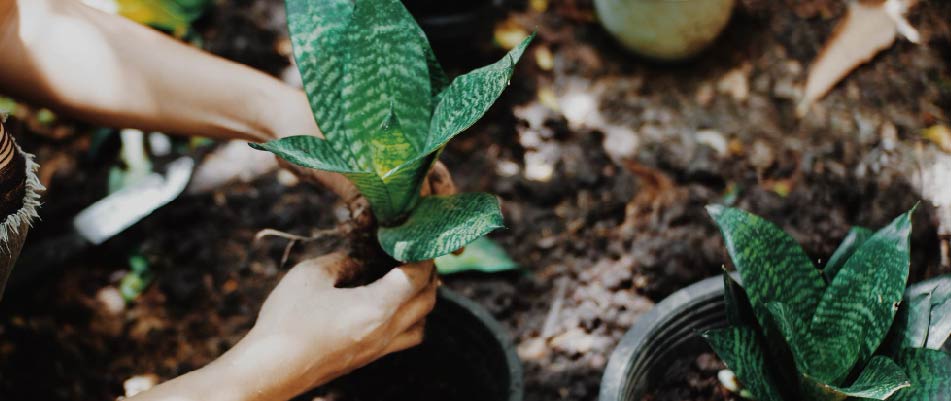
(387, 109)
(797, 332)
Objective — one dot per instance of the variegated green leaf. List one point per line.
(403, 184)
(929, 372)
(793, 329)
(911, 323)
(859, 306)
(853, 240)
(741, 350)
(940, 322)
(880, 379)
(441, 224)
(482, 255)
(739, 312)
(308, 151)
(771, 264)
(469, 96)
(317, 29)
(386, 80)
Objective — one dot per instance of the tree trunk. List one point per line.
(19, 198)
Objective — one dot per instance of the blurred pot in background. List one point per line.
(665, 30)
(19, 198)
(456, 27)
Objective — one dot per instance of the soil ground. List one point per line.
(617, 225)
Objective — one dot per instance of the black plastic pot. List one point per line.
(455, 27)
(466, 355)
(667, 332)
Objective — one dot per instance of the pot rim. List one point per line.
(618, 369)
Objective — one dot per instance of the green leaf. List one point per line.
(739, 312)
(469, 97)
(772, 266)
(880, 379)
(859, 306)
(792, 329)
(317, 30)
(313, 152)
(386, 79)
(940, 321)
(482, 255)
(308, 151)
(929, 372)
(912, 320)
(740, 349)
(853, 240)
(440, 225)
(404, 184)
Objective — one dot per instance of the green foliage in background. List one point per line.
(387, 109)
(175, 16)
(797, 332)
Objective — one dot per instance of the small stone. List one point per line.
(729, 380)
(287, 178)
(713, 139)
(139, 384)
(889, 136)
(111, 300)
(761, 155)
(735, 83)
(533, 349)
(507, 168)
(705, 94)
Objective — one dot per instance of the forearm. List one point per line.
(261, 369)
(107, 70)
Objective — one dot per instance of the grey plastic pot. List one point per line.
(466, 355)
(668, 331)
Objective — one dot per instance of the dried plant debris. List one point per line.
(868, 27)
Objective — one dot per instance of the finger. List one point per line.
(440, 181)
(402, 283)
(408, 339)
(324, 270)
(416, 309)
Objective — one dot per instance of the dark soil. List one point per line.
(618, 225)
(692, 378)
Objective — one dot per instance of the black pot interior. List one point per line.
(461, 359)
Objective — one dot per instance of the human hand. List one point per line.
(309, 332)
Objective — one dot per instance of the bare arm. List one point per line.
(309, 332)
(107, 70)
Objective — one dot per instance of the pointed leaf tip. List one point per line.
(715, 210)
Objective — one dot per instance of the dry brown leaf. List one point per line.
(869, 27)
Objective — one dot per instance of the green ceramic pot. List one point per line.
(666, 30)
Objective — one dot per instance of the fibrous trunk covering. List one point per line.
(19, 199)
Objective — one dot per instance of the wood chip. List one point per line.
(869, 27)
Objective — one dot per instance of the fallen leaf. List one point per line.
(869, 27)
(940, 135)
